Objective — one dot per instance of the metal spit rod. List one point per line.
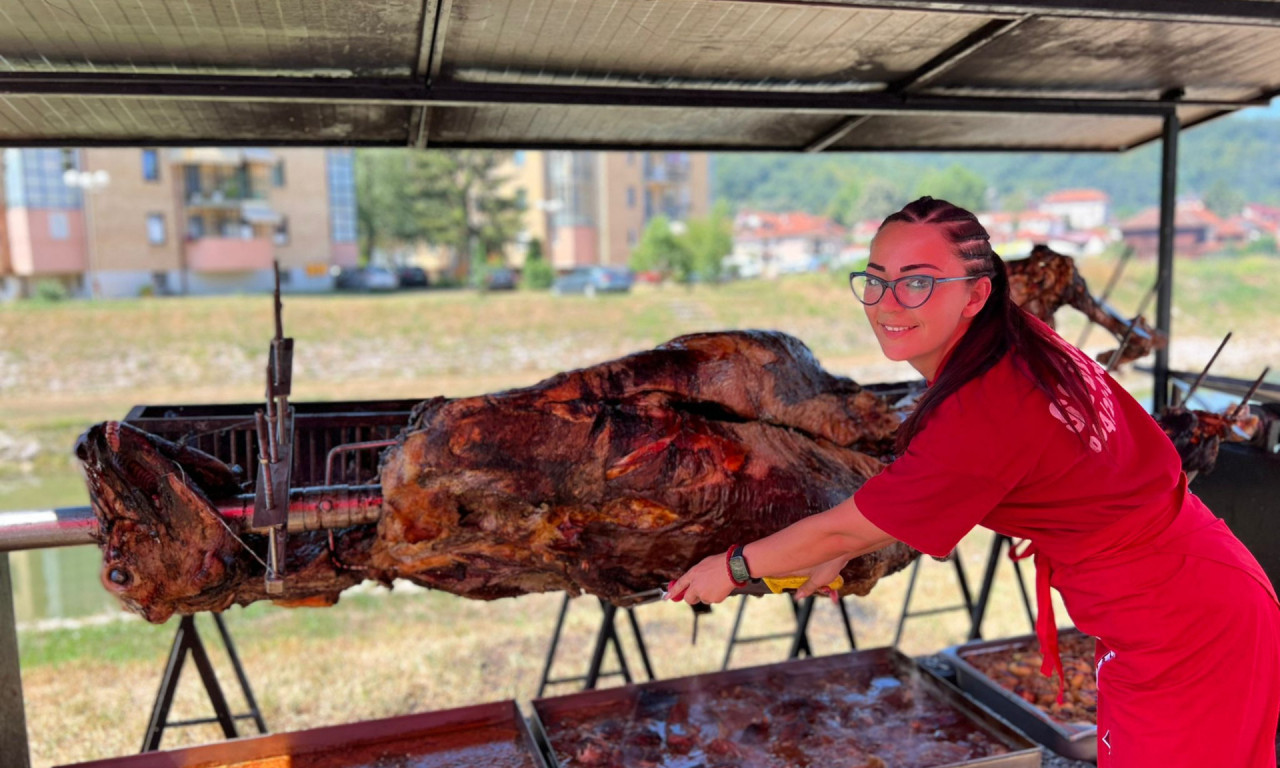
(310, 509)
(1200, 379)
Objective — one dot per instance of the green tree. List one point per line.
(456, 200)
(844, 206)
(384, 214)
(1222, 198)
(659, 250)
(538, 275)
(707, 241)
(955, 184)
(459, 202)
(880, 197)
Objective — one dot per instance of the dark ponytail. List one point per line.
(1000, 326)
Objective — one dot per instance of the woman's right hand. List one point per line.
(820, 576)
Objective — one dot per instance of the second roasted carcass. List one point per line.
(609, 480)
(1047, 280)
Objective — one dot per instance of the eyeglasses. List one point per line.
(911, 291)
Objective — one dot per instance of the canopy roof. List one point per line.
(787, 75)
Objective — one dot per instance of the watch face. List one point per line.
(738, 567)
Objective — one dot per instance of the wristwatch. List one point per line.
(738, 569)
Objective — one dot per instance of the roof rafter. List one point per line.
(1247, 12)
(393, 92)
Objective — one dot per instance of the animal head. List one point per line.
(164, 545)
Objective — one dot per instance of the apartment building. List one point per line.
(592, 207)
(129, 222)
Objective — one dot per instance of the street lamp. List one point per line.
(91, 182)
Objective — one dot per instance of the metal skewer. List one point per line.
(1199, 379)
(1106, 292)
(1128, 331)
(316, 508)
(1244, 402)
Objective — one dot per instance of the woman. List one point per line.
(1027, 436)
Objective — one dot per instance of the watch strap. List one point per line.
(739, 571)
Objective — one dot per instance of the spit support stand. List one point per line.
(275, 449)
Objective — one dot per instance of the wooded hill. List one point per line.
(1227, 163)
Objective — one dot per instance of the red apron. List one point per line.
(1188, 663)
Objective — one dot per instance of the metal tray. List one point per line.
(493, 735)
(1075, 741)
(882, 661)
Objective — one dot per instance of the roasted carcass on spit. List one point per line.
(1198, 434)
(609, 480)
(1047, 280)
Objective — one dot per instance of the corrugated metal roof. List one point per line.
(708, 74)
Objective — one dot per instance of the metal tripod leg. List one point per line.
(965, 595)
(998, 543)
(13, 721)
(555, 643)
(606, 636)
(800, 642)
(187, 641)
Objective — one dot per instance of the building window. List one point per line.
(150, 165)
(631, 197)
(59, 228)
(195, 227)
(68, 159)
(517, 159)
(631, 158)
(282, 231)
(155, 228)
(342, 196)
(160, 280)
(631, 237)
(277, 174)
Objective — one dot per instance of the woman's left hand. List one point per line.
(706, 582)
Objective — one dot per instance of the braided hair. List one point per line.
(1000, 326)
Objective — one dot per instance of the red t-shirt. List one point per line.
(999, 453)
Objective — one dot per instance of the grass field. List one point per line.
(64, 366)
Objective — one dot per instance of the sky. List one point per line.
(1261, 113)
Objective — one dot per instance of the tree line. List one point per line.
(1226, 163)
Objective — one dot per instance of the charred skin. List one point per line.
(610, 480)
(1047, 280)
(614, 479)
(164, 549)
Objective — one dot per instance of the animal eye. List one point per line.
(118, 576)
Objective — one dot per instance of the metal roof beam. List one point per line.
(971, 44)
(409, 93)
(1246, 12)
(427, 33)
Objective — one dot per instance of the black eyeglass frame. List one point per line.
(892, 285)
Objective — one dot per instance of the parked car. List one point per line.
(500, 279)
(593, 280)
(365, 279)
(412, 277)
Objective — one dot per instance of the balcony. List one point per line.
(226, 196)
(229, 254)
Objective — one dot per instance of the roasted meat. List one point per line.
(1047, 280)
(1198, 434)
(609, 480)
(1016, 668)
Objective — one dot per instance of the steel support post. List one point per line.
(13, 719)
(1164, 275)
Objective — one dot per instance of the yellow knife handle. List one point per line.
(777, 584)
